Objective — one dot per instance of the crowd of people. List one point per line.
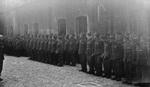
(115, 56)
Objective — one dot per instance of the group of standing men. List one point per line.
(113, 56)
(14, 45)
(52, 49)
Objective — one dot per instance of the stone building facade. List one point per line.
(103, 16)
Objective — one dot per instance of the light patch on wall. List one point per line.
(146, 3)
(15, 3)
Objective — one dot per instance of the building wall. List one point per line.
(2, 22)
(111, 16)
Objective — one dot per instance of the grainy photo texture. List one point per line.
(74, 43)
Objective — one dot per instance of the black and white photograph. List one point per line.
(74, 43)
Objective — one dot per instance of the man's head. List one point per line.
(96, 35)
(1, 39)
(118, 36)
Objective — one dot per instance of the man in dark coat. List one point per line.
(49, 49)
(107, 56)
(66, 50)
(98, 51)
(1, 54)
(72, 47)
(53, 50)
(59, 51)
(117, 56)
(77, 49)
(82, 53)
(90, 49)
(128, 57)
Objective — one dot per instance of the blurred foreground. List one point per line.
(20, 72)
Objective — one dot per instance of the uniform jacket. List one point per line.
(66, 45)
(98, 47)
(1, 52)
(82, 46)
(117, 50)
(59, 49)
(72, 45)
(108, 49)
(90, 46)
(53, 45)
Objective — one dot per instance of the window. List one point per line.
(36, 28)
(26, 27)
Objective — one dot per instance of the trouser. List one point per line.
(49, 57)
(91, 62)
(64, 57)
(83, 62)
(32, 54)
(98, 65)
(1, 66)
(77, 57)
(67, 58)
(129, 71)
(54, 58)
(128, 66)
(17, 52)
(108, 68)
(143, 73)
(117, 68)
(73, 59)
(40, 55)
(14, 51)
(139, 74)
(45, 56)
(28, 52)
(60, 59)
(23, 52)
(35, 54)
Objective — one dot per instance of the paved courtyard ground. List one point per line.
(21, 72)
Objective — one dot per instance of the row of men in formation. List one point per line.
(118, 55)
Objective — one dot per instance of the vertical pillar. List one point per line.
(13, 14)
(88, 25)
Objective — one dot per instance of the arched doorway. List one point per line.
(61, 27)
(81, 25)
